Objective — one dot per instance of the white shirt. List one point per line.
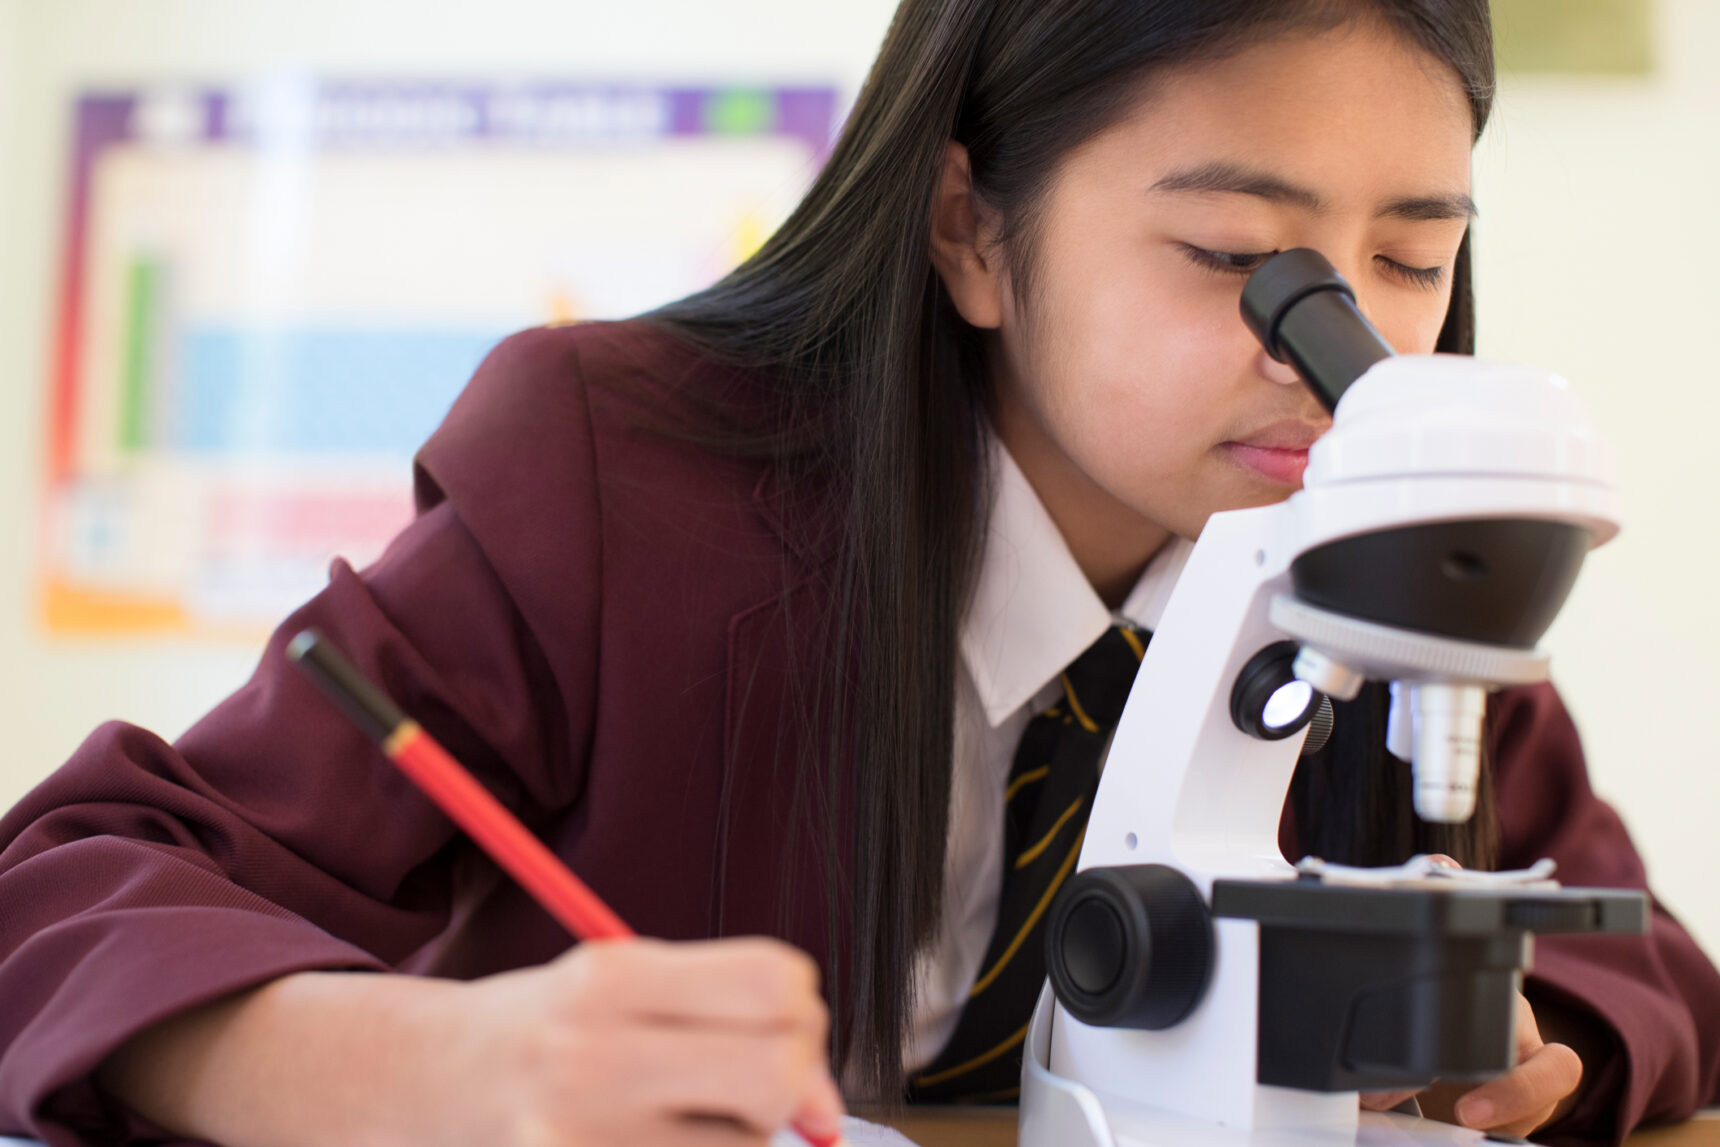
(1033, 612)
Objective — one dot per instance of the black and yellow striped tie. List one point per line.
(1050, 792)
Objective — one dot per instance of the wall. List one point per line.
(1594, 250)
(1594, 247)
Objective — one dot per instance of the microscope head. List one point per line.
(1441, 526)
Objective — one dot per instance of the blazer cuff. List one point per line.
(1593, 1119)
(119, 980)
(1618, 1093)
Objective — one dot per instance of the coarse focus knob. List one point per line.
(1129, 947)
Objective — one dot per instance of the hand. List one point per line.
(1539, 1089)
(619, 1042)
(642, 1042)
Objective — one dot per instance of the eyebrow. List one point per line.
(1234, 179)
(1419, 208)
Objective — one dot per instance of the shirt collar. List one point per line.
(1033, 610)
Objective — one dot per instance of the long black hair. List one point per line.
(878, 391)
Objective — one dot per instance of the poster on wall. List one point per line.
(271, 294)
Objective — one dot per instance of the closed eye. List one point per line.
(1428, 278)
(1225, 262)
(1247, 262)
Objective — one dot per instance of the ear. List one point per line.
(963, 251)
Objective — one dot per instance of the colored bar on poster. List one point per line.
(740, 111)
(142, 328)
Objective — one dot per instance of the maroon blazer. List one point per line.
(600, 621)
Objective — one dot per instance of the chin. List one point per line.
(1254, 498)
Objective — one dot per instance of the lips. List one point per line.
(1289, 435)
(1282, 467)
(1278, 453)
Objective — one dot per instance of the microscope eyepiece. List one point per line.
(1304, 313)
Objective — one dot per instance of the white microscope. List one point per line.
(1203, 991)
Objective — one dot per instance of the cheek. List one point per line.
(1131, 373)
(1413, 326)
(1135, 368)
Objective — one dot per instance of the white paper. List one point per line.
(857, 1133)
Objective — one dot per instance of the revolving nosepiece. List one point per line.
(1304, 313)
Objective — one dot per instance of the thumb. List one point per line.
(1527, 1094)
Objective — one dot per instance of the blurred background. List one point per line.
(249, 249)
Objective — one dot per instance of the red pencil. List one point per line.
(466, 802)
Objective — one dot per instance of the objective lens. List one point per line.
(1447, 760)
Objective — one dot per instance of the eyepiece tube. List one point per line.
(1304, 313)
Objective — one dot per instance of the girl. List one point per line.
(745, 608)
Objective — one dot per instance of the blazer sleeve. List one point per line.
(145, 878)
(1658, 995)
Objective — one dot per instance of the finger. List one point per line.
(1521, 1100)
(661, 1130)
(759, 1081)
(751, 983)
(707, 1131)
(1385, 1100)
(1528, 1030)
(1443, 861)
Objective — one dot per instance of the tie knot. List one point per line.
(1097, 682)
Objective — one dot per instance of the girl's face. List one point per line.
(1126, 385)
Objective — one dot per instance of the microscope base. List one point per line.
(1058, 1112)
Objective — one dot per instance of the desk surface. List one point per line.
(995, 1127)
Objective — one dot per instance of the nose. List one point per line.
(1274, 371)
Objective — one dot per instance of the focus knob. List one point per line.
(1129, 947)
